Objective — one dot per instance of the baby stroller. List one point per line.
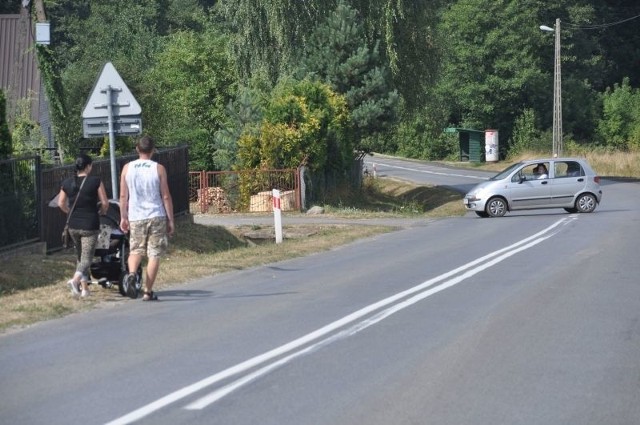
(112, 251)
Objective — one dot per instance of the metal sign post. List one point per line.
(112, 145)
(119, 115)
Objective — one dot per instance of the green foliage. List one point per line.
(5, 137)
(338, 54)
(474, 63)
(622, 60)
(526, 136)
(304, 123)
(50, 74)
(186, 93)
(89, 33)
(268, 35)
(419, 134)
(499, 63)
(27, 135)
(18, 204)
(265, 34)
(244, 115)
(412, 137)
(10, 6)
(620, 124)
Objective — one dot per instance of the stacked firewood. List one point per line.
(215, 198)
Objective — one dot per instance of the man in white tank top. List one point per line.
(146, 210)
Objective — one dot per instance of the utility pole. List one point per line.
(41, 16)
(557, 91)
(557, 97)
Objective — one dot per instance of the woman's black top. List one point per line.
(85, 214)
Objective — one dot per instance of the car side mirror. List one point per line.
(522, 178)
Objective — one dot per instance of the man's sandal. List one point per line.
(149, 296)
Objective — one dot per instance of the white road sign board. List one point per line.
(122, 100)
(111, 109)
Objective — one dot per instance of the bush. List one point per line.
(620, 125)
(526, 136)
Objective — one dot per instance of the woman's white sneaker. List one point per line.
(75, 289)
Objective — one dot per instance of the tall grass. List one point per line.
(615, 164)
(605, 162)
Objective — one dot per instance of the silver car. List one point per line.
(568, 183)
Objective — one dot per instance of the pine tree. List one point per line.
(244, 115)
(338, 55)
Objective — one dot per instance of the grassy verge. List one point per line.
(607, 164)
(33, 287)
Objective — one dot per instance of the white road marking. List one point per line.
(422, 291)
(438, 173)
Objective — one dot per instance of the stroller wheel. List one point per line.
(121, 287)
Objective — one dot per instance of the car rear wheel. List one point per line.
(496, 207)
(586, 203)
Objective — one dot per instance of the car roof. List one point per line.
(531, 161)
(585, 164)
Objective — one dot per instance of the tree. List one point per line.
(244, 115)
(89, 33)
(502, 64)
(620, 124)
(188, 89)
(623, 60)
(526, 136)
(338, 54)
(406, 30)
(10, 6)
(304, 122)
(5, 136)
(267, 36)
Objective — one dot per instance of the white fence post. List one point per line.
(277, 215)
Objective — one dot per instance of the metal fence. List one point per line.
(223, 192)
(20, 210)
(27, 187)
(24, 198)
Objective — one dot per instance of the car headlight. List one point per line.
(474, 196)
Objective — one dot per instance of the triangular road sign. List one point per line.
(122, 100)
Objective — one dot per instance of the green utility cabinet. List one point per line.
(471, 143)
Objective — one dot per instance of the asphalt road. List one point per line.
(531, 318)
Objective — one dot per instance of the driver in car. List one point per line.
(540, 172)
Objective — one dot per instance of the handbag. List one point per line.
(66, 236)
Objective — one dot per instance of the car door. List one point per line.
(568, 180)
(527, 191)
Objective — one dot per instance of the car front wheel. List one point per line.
(586, 203)
(496, 207)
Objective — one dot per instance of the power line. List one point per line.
(594, 27)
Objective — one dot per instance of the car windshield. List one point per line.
(504, 173)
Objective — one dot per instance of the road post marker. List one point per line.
(277, 215)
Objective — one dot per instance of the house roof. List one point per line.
(19, 73)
